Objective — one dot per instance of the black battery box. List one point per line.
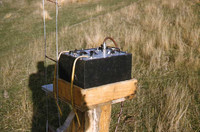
(102, 66)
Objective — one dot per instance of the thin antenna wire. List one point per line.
(45, 66)
(57, 58)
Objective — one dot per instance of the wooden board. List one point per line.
(109, 92)
(96, 95)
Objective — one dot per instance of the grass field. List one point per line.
(162, 35)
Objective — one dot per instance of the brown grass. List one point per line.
(162, 35)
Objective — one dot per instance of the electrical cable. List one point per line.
(58, 56)
(62, 53)
(71, 86)
(72, 82)
(111, 40)
(55, 94)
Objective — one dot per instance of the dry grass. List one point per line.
(162, 35)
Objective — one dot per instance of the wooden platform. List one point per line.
(90, 98)
(93, 105)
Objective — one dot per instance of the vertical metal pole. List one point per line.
(45, 66)
(57, 58)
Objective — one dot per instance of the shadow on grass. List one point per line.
(39, 99)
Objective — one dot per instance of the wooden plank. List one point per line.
(74, 127)
(67, 122)
(109, 92)
(64, 92)
(97, 95)
(82, 107)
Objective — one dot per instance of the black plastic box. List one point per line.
(96, 72)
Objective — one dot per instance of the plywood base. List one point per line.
(90, 98)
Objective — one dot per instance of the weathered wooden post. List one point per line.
(94, 105)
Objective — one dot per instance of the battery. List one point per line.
(99, 68)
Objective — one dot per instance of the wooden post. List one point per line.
(93, 105)
(93, 120)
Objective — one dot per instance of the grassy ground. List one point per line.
(162, 35)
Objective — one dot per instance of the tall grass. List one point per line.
(162, 35)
